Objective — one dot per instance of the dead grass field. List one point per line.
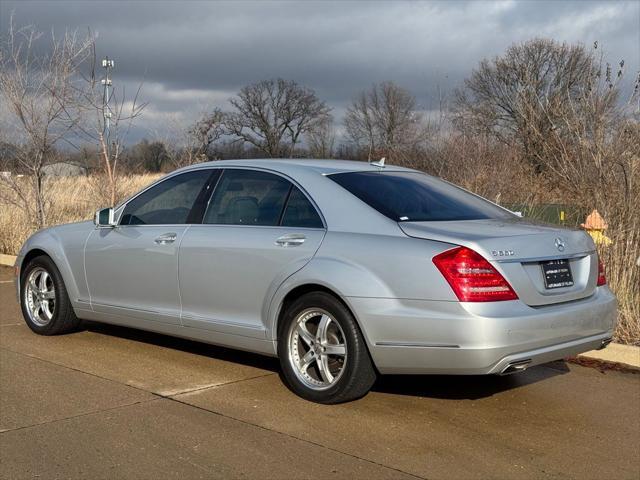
(71, 199)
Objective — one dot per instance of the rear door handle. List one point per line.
(166, 238)
(291, 240)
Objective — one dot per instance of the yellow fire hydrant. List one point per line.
(595, 226)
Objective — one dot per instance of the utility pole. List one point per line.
(107, 64)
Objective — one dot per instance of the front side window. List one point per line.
(248, 197)
(167, 203)
(416, 197)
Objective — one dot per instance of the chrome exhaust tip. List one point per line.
(515, 367)
(604, 343)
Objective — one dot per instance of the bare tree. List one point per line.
(273, 115)
(107, 120)
(592, 149)
(39, 96)
(528, 89)
(146, 156)
(196, 142)
(321, 139)
(385, 121)
(360, 124)
(206, 133)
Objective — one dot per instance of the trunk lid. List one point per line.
(517, 249)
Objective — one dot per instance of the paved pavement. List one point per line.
(111, 402)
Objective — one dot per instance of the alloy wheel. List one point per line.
(317, 349)
(40, 296)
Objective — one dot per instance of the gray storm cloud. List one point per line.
(194, 55)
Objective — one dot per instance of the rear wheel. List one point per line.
(45, 304)
(322, 352)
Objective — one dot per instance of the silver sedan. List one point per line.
(341, 269)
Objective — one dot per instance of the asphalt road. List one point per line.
(111, 402)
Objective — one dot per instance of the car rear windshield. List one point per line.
(416, 197)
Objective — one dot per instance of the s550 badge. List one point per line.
(502, 253)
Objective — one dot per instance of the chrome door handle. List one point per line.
(166, 238)
(291, 240)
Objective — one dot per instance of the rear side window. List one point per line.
(248, 197)
(300, 212)
(416, 197)
(167, 203)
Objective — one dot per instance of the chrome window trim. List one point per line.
(119, 209)
(232, 225)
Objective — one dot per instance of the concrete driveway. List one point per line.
(111, 402)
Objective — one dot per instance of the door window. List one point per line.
(300, 212)
(248, 197)
(167, 203)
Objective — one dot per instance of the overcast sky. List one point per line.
(194, 55)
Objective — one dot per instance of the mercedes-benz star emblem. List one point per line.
(560, 244)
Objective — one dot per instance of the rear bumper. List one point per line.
(424, 337)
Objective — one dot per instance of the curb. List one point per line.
(627, 355)
(8, 260)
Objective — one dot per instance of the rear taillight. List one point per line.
(472, 278)
(602, 278)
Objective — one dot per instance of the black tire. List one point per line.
(358, 373)
(63, 318)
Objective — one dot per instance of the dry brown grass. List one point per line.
(68, 199)
(623, 276)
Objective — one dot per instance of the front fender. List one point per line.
(65, 245)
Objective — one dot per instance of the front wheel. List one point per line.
(322, 352)
(44, 300)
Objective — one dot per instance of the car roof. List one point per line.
(288, 165)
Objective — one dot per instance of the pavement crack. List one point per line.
(61, 365)
(79, 415)
(213, 385)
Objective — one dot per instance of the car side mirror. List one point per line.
(105, 218)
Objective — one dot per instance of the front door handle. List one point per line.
(291, 240)
(166, 239)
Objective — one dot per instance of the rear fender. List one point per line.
(346, 279)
